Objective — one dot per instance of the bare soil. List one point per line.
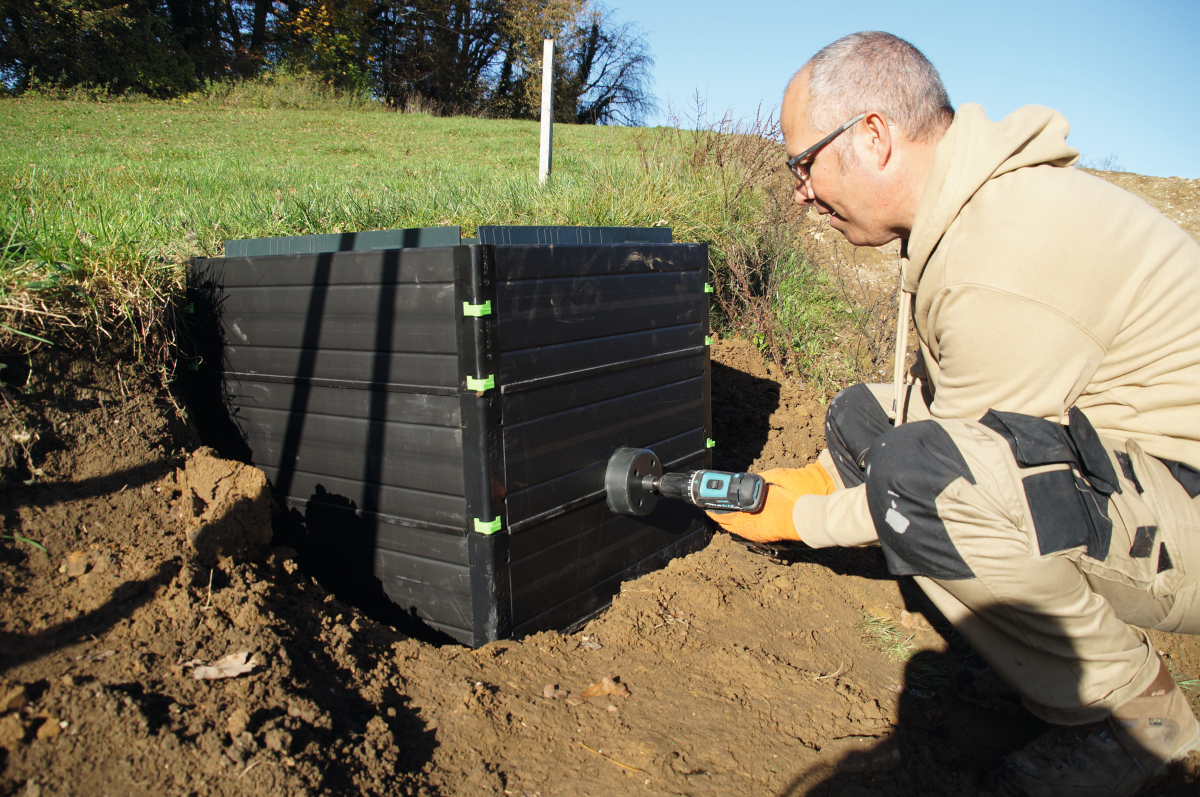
(738, 670)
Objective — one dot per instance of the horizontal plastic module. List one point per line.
(441, 415)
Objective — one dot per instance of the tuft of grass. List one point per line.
(26, 540)
(810, 318)
(102, 204)
(1181, 680)
(886, 636)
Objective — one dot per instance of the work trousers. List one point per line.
(1048, 547)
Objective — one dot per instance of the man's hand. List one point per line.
(774, 521)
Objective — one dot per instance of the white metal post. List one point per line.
(546, 155)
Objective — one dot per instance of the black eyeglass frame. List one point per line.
(815, 148)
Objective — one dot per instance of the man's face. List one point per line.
(847, 197)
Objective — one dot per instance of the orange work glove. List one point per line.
(774, 521)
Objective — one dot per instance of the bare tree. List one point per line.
(607, 77)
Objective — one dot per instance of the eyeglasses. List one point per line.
(801, 169)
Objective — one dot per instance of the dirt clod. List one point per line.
(49, 728)
(606, 686)
(15, 698)
(235, 726)
(278, 740)
(552, 692)
(12, 731)
(226, 506)
(75, 565)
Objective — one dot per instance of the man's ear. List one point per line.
(879, 139)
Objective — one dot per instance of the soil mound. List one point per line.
(761, 418)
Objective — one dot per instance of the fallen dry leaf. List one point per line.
(552, 692)
(231, 666)
(607, 686)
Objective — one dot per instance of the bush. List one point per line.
(766, 289)
(282, 89)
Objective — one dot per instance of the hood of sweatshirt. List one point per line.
(974, 150)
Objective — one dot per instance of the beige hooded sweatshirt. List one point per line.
(1040, 287)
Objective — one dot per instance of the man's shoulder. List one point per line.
(1046, 184)
(1066, 215)
(1064, 239)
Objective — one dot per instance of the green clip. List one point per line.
(707, 340)
(194, 365)
(189, 308)
(707, 288)
(477, 310)
(489, 527)
(710, 443)
(481, 385)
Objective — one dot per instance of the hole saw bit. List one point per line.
(634, 481)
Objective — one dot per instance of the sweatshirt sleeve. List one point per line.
(996, 350)
(839, 519)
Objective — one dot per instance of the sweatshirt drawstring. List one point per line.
(902, 320)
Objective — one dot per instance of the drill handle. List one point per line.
(716, 490)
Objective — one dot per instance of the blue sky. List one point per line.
(1125, 75)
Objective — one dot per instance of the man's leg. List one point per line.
(855, 419)
(951, 506)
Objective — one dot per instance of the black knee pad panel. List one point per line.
(907, 469)
(853, 422)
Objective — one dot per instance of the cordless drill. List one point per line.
(634, 481)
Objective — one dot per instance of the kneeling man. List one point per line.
(1039, 477)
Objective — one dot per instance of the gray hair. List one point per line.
(876, 71)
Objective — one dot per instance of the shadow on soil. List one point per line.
(866, 562)
(318, 674)
(348, 570)
(742, 406)
(56, 492)
(941, 743)
(125, 599)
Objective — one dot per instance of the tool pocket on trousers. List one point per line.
(1164, 551)
(1062, 517)
(1068, 504)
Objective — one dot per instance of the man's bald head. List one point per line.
(871, 190)
(870, 71)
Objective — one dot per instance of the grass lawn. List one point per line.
(175, 180)
(103, 203)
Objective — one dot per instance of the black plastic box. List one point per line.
(446, 413)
